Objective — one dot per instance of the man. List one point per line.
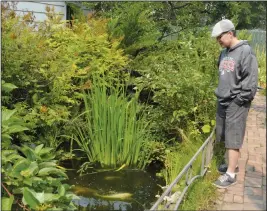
(238, 76)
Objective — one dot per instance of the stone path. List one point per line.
(250, 191)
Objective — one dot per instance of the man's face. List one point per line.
(225, 39)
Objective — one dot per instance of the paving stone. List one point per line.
(253, 145)
(253, 199)
(221, 190)
(253, 191)
(232, 206)
(235, 188)
(228, 197)
(240, 182)
(238, 199)
(239, 193)
(250, 168)
(255, 158)
(258, 168)
(253, 182)
(261, 150)
(253, 206)
(253, 162)
(259, 159)
(251, 150)
(250, 191)
(254, 174)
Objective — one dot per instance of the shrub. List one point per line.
(32, 174)
(181, 76)
(50, 64)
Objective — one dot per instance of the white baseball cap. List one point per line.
(222, 26)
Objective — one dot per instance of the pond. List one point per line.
(127, 189)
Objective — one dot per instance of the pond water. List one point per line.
(126, 189)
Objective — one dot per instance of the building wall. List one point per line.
(38, 9)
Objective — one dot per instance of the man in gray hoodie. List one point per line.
(238, 79)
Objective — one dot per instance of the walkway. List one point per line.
(250, 191)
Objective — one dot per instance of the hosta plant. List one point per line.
(32, 179)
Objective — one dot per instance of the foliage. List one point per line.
(245, 15)
(6, 203)
(50, 66)
(164, 19)
(33, 174)
(179, 155)
(114, 130)
(47, 69)
(244, 35)
(131, 22)
(154, 151)
(7, 88)
(157, 20)
(180, 76)
(261, 57)
(10, 125)
(202, 194)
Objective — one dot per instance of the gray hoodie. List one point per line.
(238, 75)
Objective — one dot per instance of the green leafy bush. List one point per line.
(181, 76)
(10, 125)
(32, 174)
(50, 65)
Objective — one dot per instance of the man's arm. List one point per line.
(249, 79)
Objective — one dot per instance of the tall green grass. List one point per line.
(179, 156)
(261, 57)
(114, 129)
(202, 194)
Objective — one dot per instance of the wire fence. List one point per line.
(258, 39)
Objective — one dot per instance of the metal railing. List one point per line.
(207, 152)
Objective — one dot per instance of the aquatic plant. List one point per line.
(114, 129)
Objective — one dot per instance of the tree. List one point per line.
(141, 25)
(245, 15)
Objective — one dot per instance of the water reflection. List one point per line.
(123, 190)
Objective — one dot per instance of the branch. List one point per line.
(9, 194)
(176, 32)
(177, 8)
